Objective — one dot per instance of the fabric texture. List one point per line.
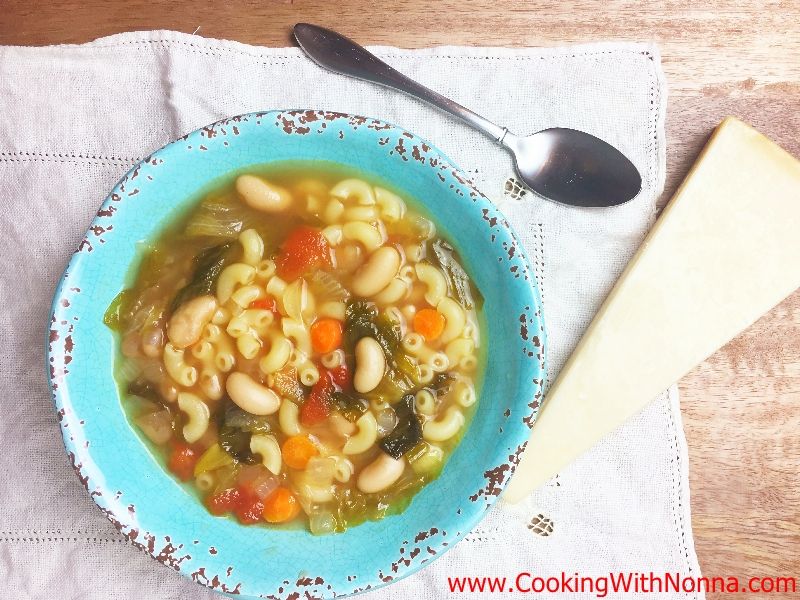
(75, 118)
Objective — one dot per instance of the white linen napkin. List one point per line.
(74, 119)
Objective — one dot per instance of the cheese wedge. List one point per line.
(725, 250)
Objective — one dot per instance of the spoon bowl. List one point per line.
(563, 165)
(574, 167)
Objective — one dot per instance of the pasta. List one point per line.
(367, 235)
(455, 319)
(365, 437)
(177, 367)
(289, 417)
(297, 332)
(280, 350)
(252, 247)
(197, 416)
(267, 446)
(392, 206)
(236, 274)
(354, 188)
(308, 343)
(434, 280)
(445, 428)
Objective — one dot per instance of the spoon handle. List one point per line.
(341, 55)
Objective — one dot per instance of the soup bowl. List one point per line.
(162, 516)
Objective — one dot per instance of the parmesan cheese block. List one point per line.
(725, 250)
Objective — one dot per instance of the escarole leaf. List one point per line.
(362, 320)
(458, 282)
(408, 431)
(351, 408)
(208, 264)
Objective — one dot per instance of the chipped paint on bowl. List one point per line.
(160, 515)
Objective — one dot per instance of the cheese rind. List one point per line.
(725, 250)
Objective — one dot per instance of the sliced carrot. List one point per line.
(297, 451)
(280, 506)
(429, 323)
(326, 335)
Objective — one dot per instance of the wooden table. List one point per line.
(741, 407)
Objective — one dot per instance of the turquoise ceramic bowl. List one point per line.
(160, 515)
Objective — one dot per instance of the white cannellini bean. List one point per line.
(370, 365)
(251, 396)
(188, 322)
(263, 195)
(380, 474)
(377, 272)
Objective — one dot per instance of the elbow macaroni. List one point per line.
(231, 276)
(267, 446)
(252, 246)
(365, 437)
(174, 362)
(434, 280)
(445, 427)
(197, 416)
(455, 319)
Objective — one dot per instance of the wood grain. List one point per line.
(742, 406)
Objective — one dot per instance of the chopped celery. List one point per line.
(326, 287)
(212, 459)
(115, 310)
(286, 384)
(226, 478)
(427, 459)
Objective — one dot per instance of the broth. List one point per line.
(301, 345)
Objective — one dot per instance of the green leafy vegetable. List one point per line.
(362, 320)
(219, 216)
(458, 282)
(144, 389)
(350, 408)
(113, 316)
(236, 429)
(208, 265)
(441, 382)
(408, 431)
(243, 420)
(236, 443)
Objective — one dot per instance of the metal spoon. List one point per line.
(563, 165)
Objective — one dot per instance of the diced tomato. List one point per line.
(224, 501)
(250, 506)
(267, 303)
(305, 248)
(341, 376)
(182, 461)
(317, 406)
